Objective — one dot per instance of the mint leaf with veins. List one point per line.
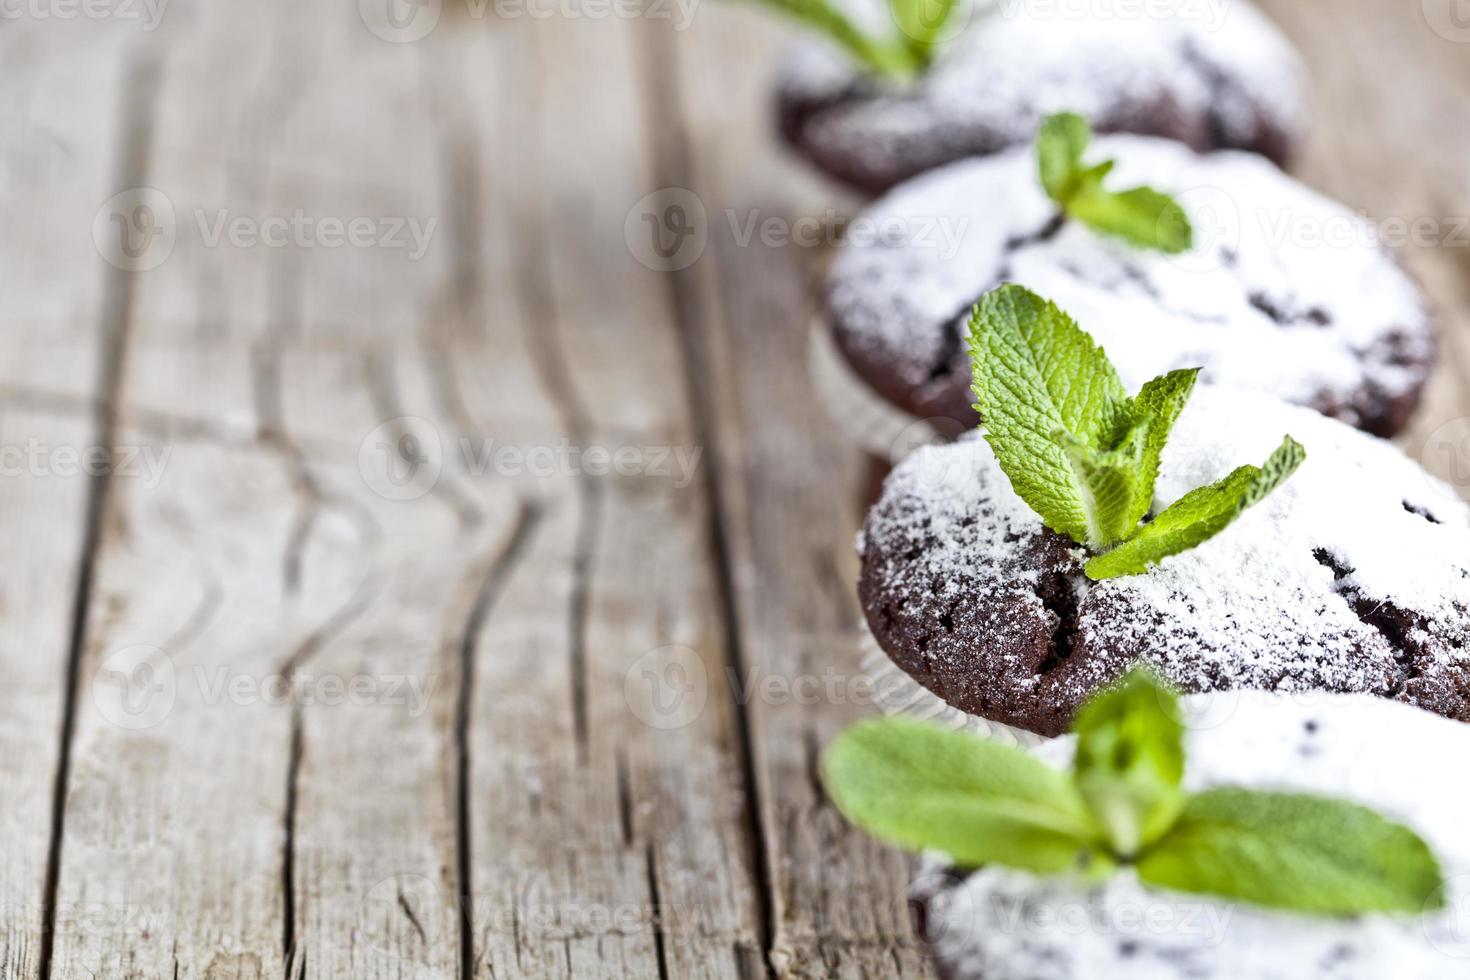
(1160, 401)
(1199, 515)
(1083, 454)
(1036, 374)
(1111, 481)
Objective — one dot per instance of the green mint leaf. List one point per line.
(1093, 176)
(1289, 851)
(920, 23)
(1159, 401)
(894, 59)
(1276, 470)
(1141, 216)
(1060, 143)
(977, 801)
(1130, 760)
(1199, 515)
(1037, 373)
(1110, 481)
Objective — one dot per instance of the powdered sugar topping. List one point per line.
(1352, 576)
(1284, 291)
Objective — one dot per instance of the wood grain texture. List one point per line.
(536, 807)
(788, 488)
(609, 828)
(62, 137)
(378, 673)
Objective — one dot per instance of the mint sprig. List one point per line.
(1141, 216)
(982, 803)
(1198, 515)
(904, 55)
(1081, 452)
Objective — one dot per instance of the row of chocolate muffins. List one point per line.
(1296, 627)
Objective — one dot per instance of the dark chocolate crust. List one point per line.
(977, 601)
(993, 656)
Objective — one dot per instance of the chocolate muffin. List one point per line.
(1353, 576)
(1283, 291)
(998, 923)
(1211, 76)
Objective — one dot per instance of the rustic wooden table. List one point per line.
(405, 583)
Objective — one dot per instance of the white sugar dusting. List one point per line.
(1391, 757)
(1270, 601)
(1285, 291)
(1206, 65)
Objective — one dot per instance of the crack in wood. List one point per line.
(413, 918)
(288, 842)
(265, 366)
(814, 768)
(139, 102)
(211, 600)
(670, 152)
(651, 864)
(554, 374)
(589, 532)
(625, 796)
(266, 390)
(378, 374)
(500, 567)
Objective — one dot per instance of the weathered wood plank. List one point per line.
(316, 838)
(58, 153)
(302, 773)
(788, 483)
(609, 829)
